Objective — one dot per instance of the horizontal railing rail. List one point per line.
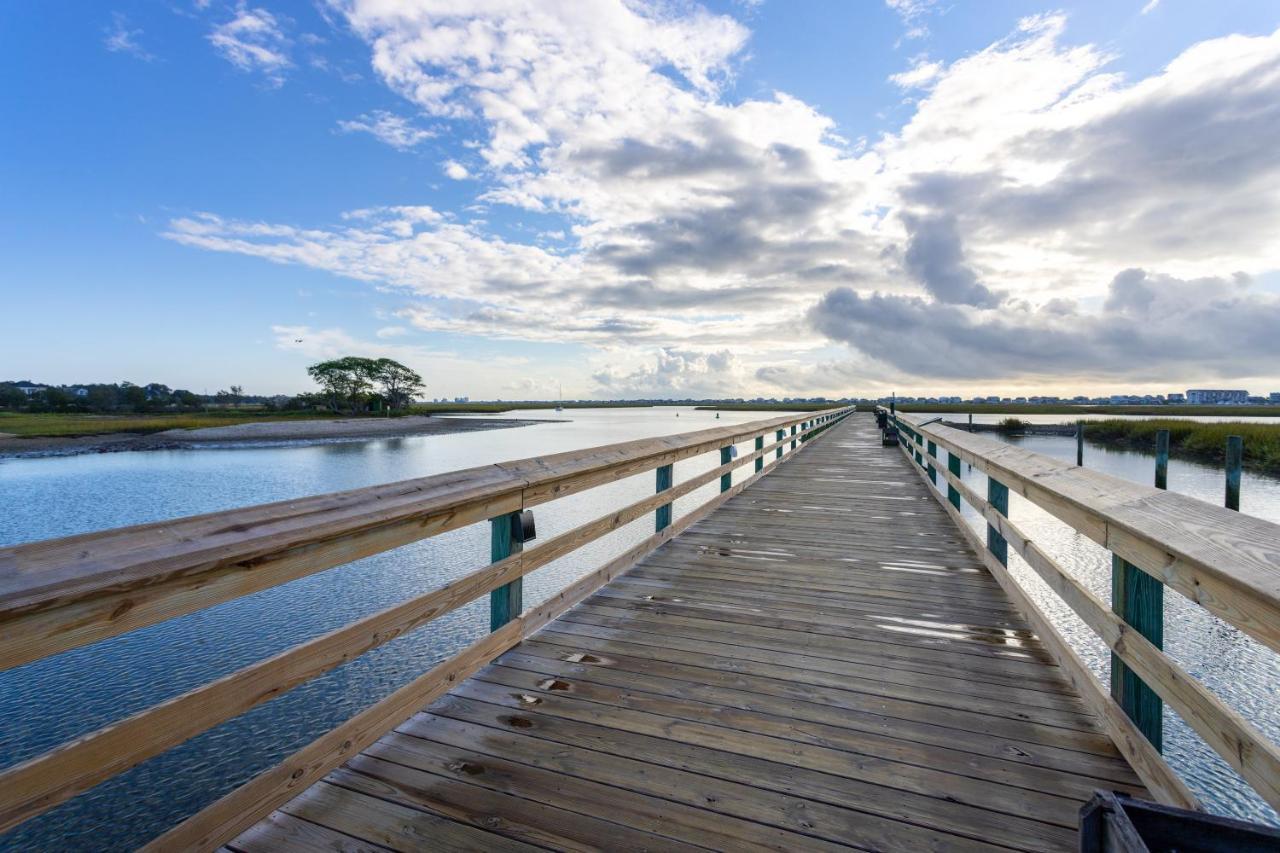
(1224, 561)
(60, 594)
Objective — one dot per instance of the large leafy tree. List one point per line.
(346, 381)
(398, 383)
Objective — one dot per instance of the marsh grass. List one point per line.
(73, 425)
(1203, 441)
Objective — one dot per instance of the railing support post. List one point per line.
(1235, 461)
(793, 436)
(1080, 444)
(781, 434)
(953, 465)
(760, 458)
(933, 473)
(998, 497)
(1138, 599)
(726, 480)
(507, 601)
(662, 515)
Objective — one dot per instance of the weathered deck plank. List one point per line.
(820, 663)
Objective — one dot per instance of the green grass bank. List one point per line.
(1205, 442)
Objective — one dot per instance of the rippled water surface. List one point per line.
(47, 702)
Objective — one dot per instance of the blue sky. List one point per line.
(631, 199)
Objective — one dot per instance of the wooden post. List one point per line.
(998, 497)
(781, 434)
(726, 480)
(793, 436)
(1138, 599)
(953, 465)
(971, 422)
(507, 601)
(662, 515)
(760, 458)
(933, 473)
(1162, 459)
(1235, 460)
(1080, 443)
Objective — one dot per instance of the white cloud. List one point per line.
(254, 41)
(674, 374)
(392, 332)
(389, 128)
(920, 74)
(1026, 173)
(456, 170)
(121, 38)
(1150, 6)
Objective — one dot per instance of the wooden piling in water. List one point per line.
(1162, 459)
(1235, 461)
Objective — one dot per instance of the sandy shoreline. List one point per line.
(265, 433)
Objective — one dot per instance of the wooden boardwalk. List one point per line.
(822, 662)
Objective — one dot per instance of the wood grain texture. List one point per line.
(818, 661)
(1227, 562)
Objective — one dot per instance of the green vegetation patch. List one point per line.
(71, 425)
(1203, 441)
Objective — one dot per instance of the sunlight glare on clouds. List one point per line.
(1025, 172)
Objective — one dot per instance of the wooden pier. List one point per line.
(820, 657)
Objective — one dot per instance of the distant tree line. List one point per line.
(348, 384)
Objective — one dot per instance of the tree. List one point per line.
(398, 382)
(344, 380)
(237, 394)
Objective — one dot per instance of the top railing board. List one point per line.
(122, 579)
(1226, 561)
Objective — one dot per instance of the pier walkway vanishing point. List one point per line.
(819, 657)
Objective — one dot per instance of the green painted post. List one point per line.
(726, 480)
(1162, 459)
(1235, 460)
(919, 444)
(998, 497)
(953, 465)
(804, 436)
(971, 422)
(1138, 599)
(662, 516)
(1080, 444)
(793, 436)
(781, 434)
(760, 458)
(507, 601)
(933, 473)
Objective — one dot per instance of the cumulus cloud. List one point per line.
(1026, 178)
(455, 170)
(389, 128)
(674, 374)
(1149, 326)
(254, 41)
(121, 38)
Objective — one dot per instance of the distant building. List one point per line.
(30, 388)
(1216, 397)
(1274, 397)
(462, 399)
(1175, 398)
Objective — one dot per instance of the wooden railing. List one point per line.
(59, 594)
(1226, 562)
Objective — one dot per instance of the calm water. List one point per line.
(45, 703)
(50, 701)
(1238, 669)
